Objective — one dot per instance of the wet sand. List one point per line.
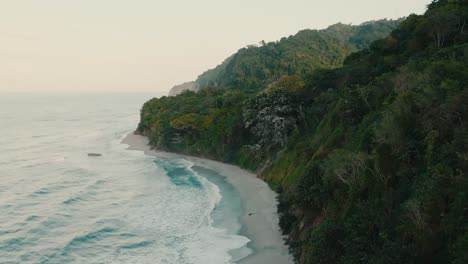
(260, 222)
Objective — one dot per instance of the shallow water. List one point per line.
(58, 205)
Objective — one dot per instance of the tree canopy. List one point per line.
(370, 157)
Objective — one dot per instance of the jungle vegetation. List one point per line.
(369, 157)
(255, 66)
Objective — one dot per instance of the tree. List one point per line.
(187, 123)
(346, 166)
(444, 22)
(270, 117)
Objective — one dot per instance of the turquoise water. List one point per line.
(57, 205)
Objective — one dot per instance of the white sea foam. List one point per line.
(60, 206)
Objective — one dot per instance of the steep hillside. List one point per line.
(254, 67)
(370, 158)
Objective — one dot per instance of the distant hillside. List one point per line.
(254, 67)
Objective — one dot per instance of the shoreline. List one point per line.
(261, 227)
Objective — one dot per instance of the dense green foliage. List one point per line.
(254, 67)
(207, 123)
(370, 159)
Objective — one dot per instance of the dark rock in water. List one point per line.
(94, 154)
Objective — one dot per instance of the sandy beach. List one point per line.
(261, 227)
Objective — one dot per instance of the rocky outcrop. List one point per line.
(188, 86)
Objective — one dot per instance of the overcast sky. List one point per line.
(151, 45)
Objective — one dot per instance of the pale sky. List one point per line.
(151, 45)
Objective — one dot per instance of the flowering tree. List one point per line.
(270, 117)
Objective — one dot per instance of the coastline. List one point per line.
(261, 227)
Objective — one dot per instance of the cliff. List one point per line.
(188, 86)
(370, 157)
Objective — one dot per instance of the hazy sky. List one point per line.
(151, 45)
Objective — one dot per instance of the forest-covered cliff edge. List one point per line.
(255, 67)
(370, 158)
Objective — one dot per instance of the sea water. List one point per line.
(59, 205)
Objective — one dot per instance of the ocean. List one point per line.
(59, 205)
